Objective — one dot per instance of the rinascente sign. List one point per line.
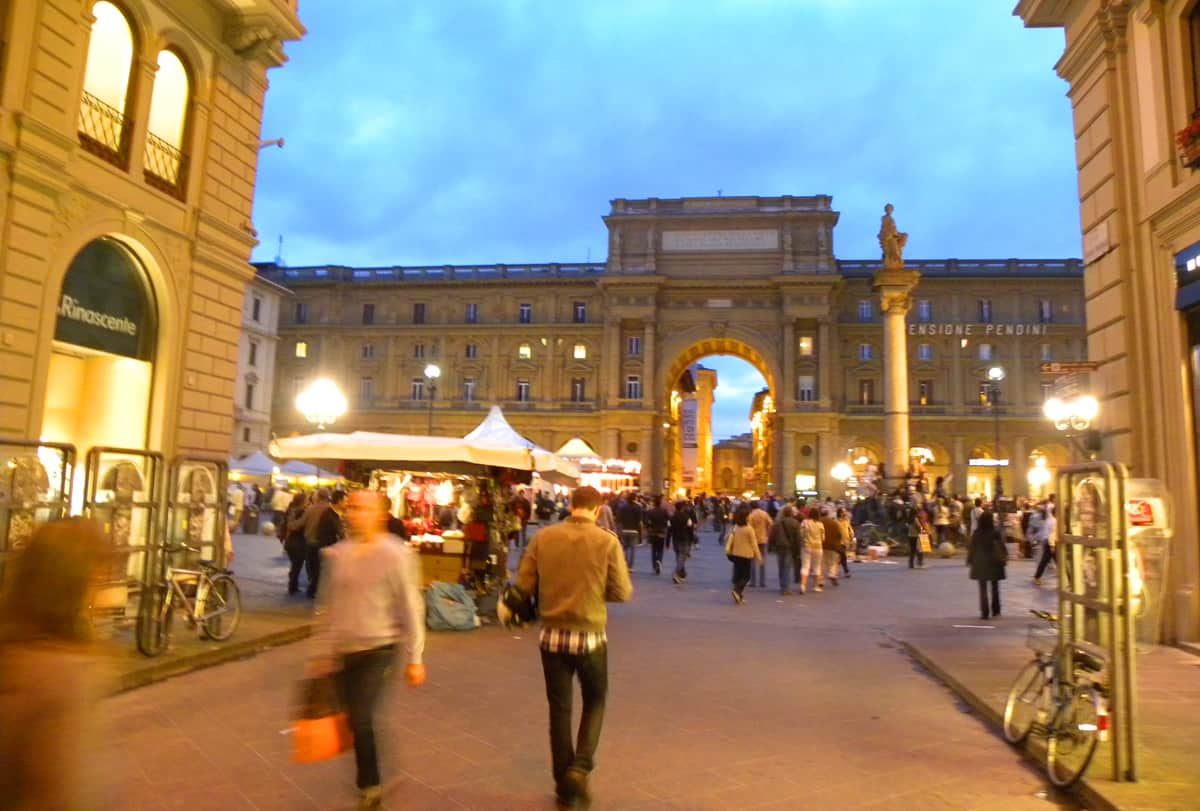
(106, 304)
(980, 330)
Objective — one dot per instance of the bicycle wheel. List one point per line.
(222, 608)
(154, 620)
(1024, 702)
(1072, 736)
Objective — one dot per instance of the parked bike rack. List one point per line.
(196, 507)
(1094, 595)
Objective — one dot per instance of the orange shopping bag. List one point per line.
(320, 730)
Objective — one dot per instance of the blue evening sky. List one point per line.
(484, 131)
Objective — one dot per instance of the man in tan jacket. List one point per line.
(574, 568)
(760, 522)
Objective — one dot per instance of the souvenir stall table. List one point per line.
(449, 492)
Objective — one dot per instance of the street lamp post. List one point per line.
(432, 373)
(321, 403)
(995, 376)
(1073, 417)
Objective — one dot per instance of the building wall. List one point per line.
(260, 329)
(751, 277)
(1131, 73)
(55, 198)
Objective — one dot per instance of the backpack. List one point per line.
(448, 607)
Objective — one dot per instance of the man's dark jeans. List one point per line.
(657, 543)
(312, 564)
(359, 684)
(560, 670)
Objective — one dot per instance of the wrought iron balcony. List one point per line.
(165, 166)
(104, 130)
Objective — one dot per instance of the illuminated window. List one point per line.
(925, 392)
(806, 346)
(302, 349)
(924, 352)
(524, 352)
(164, 161)
(416, 390)
(580, 352)
(866, 392)
(103, 128)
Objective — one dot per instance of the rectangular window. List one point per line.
(580, 312)
(472, 316)
(1045, 311)
(368, 313)
(925, 352)
(256, 310)
(985, 351)
(985, 311)
(865, 352)
(633, 387)
(1047, 389)
(866, 392)
(524, 352)
(580, 352)
(633, 346)
(419, 351)
(866, 311)
(806, 388)
(419, 312)
(472, 351)
(1047, 352)
(985, 392)
(245, 435)
(469, 389)
(301, 312)
(368, 351)
(805, 346)
(249, 395)
(253, 359)
(302, 349)
(924, 392)
(925, 311)
(577, 389)
(525, 314)
(366, 389)
(417, 389)
(522, 390)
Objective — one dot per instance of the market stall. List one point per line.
(606, 475)
(452, 494)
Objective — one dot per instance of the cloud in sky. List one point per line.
(460, 131)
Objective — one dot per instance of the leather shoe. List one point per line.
(576, 783)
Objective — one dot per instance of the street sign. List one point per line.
(1066, 367)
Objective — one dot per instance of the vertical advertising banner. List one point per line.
(689, 418)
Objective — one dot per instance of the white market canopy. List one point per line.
(495, 428)
(411, 452)
(256, 464)
(576, 448)
(297, 468)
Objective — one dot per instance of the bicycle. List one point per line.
(208, 596)
(1070, 709)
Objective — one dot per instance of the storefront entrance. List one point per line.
(102, 361)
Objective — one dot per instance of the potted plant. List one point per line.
(1188, 140)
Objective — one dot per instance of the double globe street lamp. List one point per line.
(432, 373)
(1074, 417)
(321, 403)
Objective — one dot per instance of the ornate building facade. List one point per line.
(255, 383)
(129, 138)
(598, 350)
(1133, 71)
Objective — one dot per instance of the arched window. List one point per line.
(103, 128)
(165, 162)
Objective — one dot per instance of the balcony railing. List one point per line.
(104, 130)
(165, 166)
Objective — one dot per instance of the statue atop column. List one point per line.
(891, 240)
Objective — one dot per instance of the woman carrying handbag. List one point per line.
(742, 550)
(987, 557)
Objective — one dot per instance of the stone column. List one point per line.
(825, 364)
(649, 395)
(894, 286)
(1015, 483)
(784, 472)
(829, 453)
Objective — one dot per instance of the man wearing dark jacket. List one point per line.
(574, 568)
(657, 519)
(786, 540)
(628, 515)
(683, 538)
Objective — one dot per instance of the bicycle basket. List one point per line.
(1042, 638)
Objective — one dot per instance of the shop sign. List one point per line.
(978, 330)
(105, 304)
(1140, 512)
(987, 462)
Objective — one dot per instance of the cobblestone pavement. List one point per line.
(782, 703)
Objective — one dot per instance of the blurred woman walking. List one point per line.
(987, 556)
(742, 550)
